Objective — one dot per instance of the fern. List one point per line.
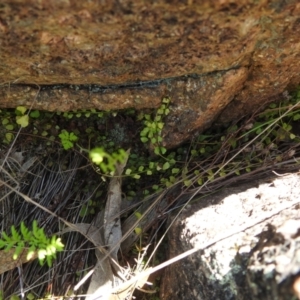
(67, 139)
(35, 240)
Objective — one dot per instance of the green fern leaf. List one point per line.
(34, 227)
(15, 235)
(31, 252)
(27, 236)
(18, 251)
(2, 244)
(5, 237)
(9, 246)
(49, 261)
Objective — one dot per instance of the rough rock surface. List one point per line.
(214, 59)
(250, 241)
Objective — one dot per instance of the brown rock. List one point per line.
(213, 58)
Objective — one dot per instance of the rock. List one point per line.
(217, 60)
(249, 244)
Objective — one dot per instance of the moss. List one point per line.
(118, 134)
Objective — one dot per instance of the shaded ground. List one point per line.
(67, 184)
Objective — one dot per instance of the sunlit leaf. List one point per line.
(144, 139)
(175, 170)
(5, 121)
(128, 171)
(138, 231)
(22, 120)
(138, 214)
(187, 183)
(20, 110)
(166, 165)
(163, 150)
(9, 136)
(97, 155)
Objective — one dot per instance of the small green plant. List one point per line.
(67, 139)
(84, 112)
(152, 131)
(22, 119)
(89, 208)
(35, 241)
(107, 162)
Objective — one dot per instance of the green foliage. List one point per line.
(30, 296)
(167, 167)
(214, 149)
(138, 230)
(203, 161)
(20, 110)
(107, 162)
(89, 208)
(152, 132)
(86, 113)
(21, 118)
(35, 240)
(211, 148)
(35, 114)
(67, 139)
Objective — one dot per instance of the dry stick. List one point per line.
(197, 191)
(123, 238)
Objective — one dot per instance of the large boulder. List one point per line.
(249, 244)
(213, 58)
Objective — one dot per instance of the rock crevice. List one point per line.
(133, 54)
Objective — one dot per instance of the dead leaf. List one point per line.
(112, 234)
(112, 223)
(8, 263)
(103, 277)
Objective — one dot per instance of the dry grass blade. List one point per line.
(53, 200)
